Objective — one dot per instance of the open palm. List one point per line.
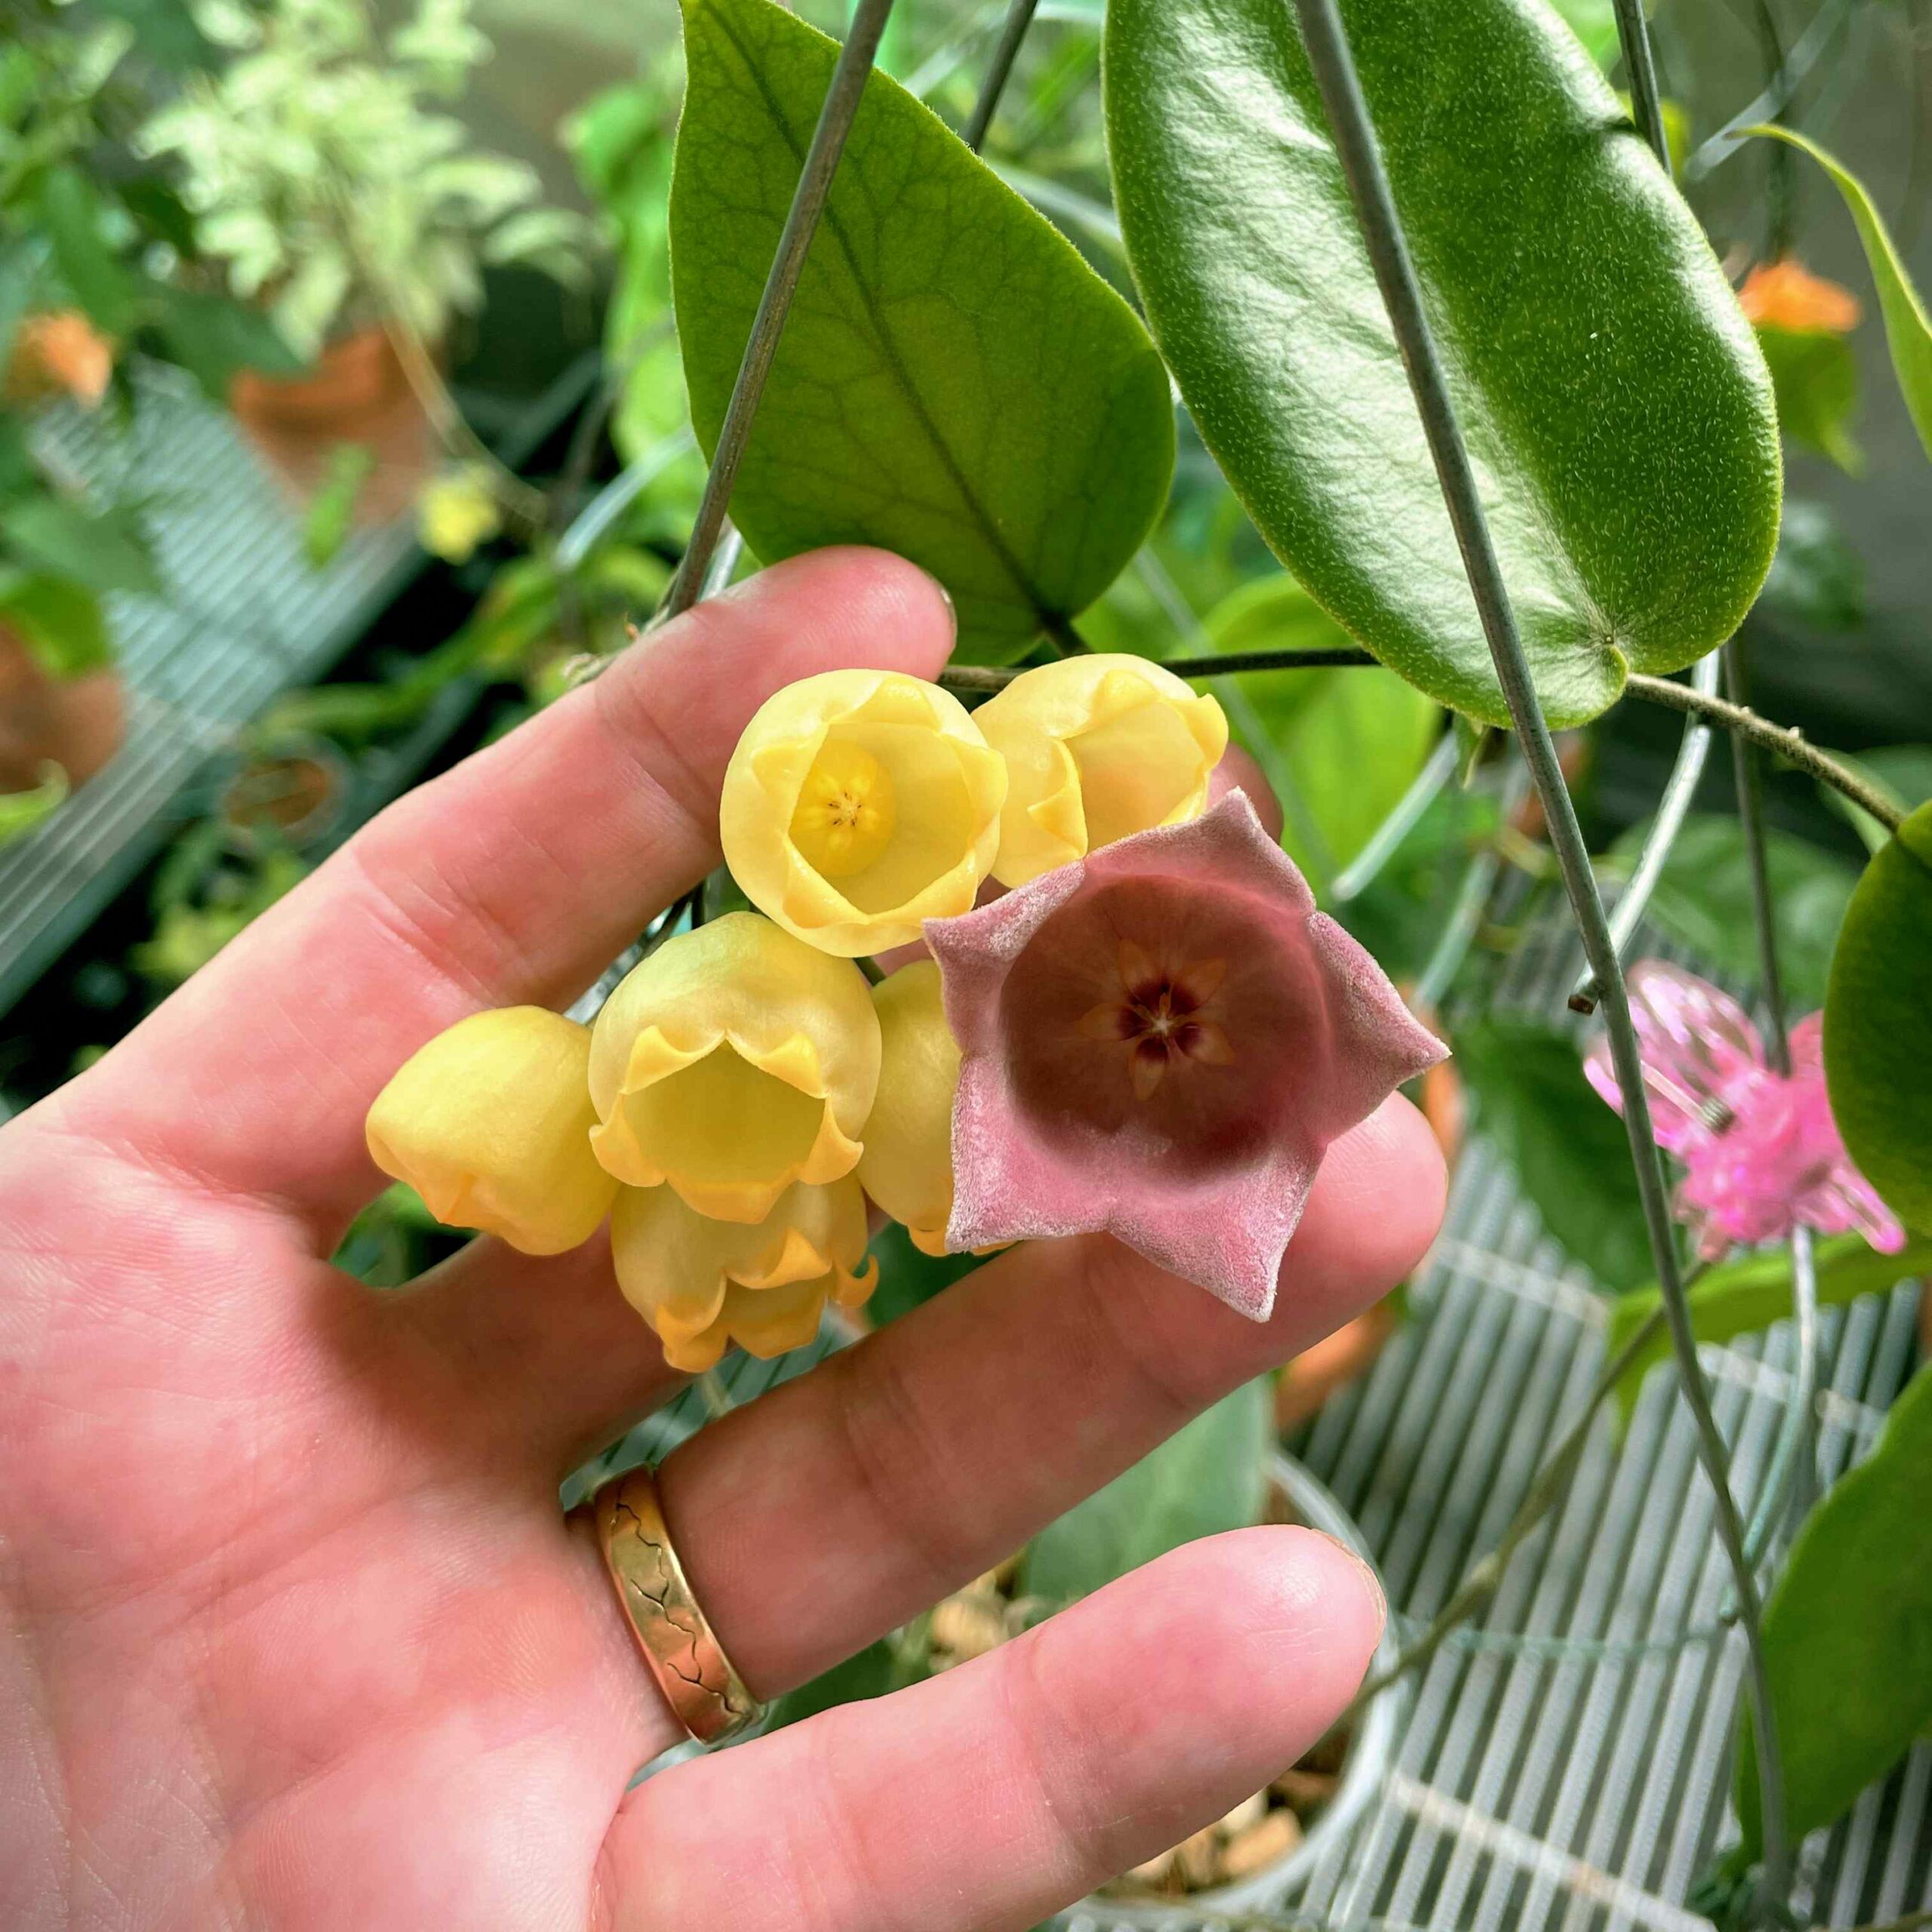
(294, 1633)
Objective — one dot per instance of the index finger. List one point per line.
(515, 877)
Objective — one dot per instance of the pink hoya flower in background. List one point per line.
(1160, 1040)
(1761, 1153)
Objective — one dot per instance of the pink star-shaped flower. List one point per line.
(1161, 1040)
(1761, 1153)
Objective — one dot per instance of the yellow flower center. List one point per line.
(844, 816)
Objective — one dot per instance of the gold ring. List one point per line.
(677, 1643)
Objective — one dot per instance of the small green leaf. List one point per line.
(1342, 746)
(332, 509)
(104, 549)
(93, 271)
(1703, 898)
(60, 622)
(954, 382)
(1618, 413)
(1207, 1478)
(1815, 376)
(1571, 1154)
(213, 338)
(1740, 1297)
(21, 811)
(907, 1276)
(1908, 330)
(1878, 1023)
(1848, 1632)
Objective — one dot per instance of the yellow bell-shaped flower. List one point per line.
(907, 1166)
(857, 805)
(1095, 747)
(732, 1062)
(491, 1123)
(703, 1284)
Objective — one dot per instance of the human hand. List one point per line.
(296, 1635)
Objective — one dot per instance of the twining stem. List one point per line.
(1789, 743)
(1642, 69)
(1361, 156)
(1019, 18)
(1220, 664)
(1751, 820)
(856, 57)
(1674, 804)
(1547, 1490)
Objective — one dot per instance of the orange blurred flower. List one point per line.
(1786, 296)
(60, 351)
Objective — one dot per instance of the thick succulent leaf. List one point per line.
(1615, 403)
(1848, 1632)
(1878, 1023)
(954, 382)
(1740, 1297)
(1908, 329)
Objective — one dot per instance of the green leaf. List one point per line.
(1570, 1151)
(60, 622)
(954, 383)
(1342, 746)
(1617, 408)
(104, 549)
(332, 509)
(1815, 376)
(1207, 1478)
(73, 213)
(1878, 1023)
(1816, 576)
(1908, 330)
(1740, 1297)
(21, 811)
(1703, 898)
(1848, 1631)
(871, 1673)
(213, 338)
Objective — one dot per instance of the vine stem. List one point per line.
(854, 66)
(1789, 743)
(1642, 68)
(1219, 664)
(1019, 18)
(1361, 156)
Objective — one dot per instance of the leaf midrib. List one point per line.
(1043, 613)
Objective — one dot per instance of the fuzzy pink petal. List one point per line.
(1281, 1034)
(1703, 1058)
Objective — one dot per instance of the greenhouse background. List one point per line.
(297, 624)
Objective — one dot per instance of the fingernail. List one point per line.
(1369, 1577)
(951, 608)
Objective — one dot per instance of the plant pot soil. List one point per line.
(76, 723)
(356, 393)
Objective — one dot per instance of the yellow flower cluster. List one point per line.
(744, 1091)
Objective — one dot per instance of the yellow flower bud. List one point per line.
(734, 1061)
(907, 1166)
(703, 1284)
(1095, 747)
(858, 805)
(490, 1124)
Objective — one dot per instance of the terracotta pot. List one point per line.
(356, 393)
(76, 723)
